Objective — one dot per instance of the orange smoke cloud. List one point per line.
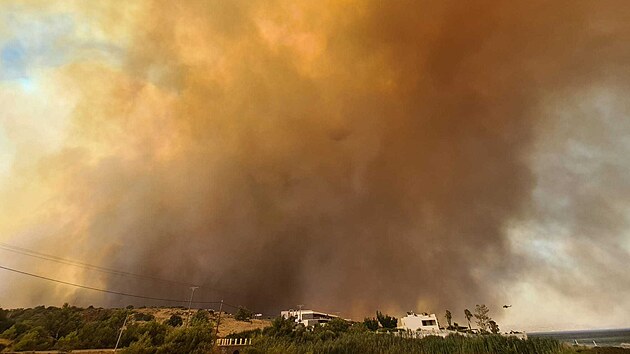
(346, 155)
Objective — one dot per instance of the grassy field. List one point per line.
(384, 343)
(228, 325)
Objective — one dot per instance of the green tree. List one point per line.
(35, 339)
(61, 321)
(468, 315)
(449, 318)
(358, 328)
(143, 345)
(102, 329)
(155, 331)
(175, 321)
(494, 327)
(481, 314)
(194, 340)
(280, 327)
(386, 321)
(338, 325)
(243, 314)
(69, 342)
(371, 323)
(200, 317)
(15, 331)
(5, 321)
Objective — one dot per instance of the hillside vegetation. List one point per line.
(164, 331)
(157, 330)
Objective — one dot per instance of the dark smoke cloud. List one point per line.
(348, 156)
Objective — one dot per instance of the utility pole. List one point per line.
(300, 313)
(192, 292)
(216, 333)
(120, 334)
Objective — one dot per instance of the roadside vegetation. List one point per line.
(66, 328)
(339, 336)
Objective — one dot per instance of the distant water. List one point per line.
(603, 337)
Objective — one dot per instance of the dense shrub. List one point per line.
(193, 340)
(68, 342)
(144, 345)
(386, 321)
(139, 316)
(174, 321)
(35, 339)
(243, 314)
(369, 342)
(371, 323)
(5, 322)
(201, 317)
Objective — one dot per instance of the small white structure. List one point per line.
(308, 317)
(419, 322)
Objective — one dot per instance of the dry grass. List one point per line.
(228, 324)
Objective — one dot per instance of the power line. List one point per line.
(48, 257)
(104, 290)
(115, 292)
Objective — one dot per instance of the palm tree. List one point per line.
(468, 315)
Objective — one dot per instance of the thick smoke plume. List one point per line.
(350, 156)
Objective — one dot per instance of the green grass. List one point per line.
(383, 343)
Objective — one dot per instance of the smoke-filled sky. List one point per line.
(345, 155)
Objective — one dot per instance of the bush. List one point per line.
(280, 327)
(386, 321)
(194, 340)
(15, 331)
(68, 342)
(156, 332)
(358, 327)
(338, 325)
(371, 323)
(139, 316)
(5, 322)
(243, 314)
(35, 339)
(368, 343)
(200, 318)
(175, 321)
(143, 345)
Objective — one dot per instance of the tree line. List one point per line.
(485, 323)
(68, 327)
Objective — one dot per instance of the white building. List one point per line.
(419, 322)
(308, 317)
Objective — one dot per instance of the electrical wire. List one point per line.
(183, 301)
(104, 290)
(35, 254)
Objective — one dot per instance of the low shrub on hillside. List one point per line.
(369, 342)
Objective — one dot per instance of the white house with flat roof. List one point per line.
(308, 317)
(419, 322)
